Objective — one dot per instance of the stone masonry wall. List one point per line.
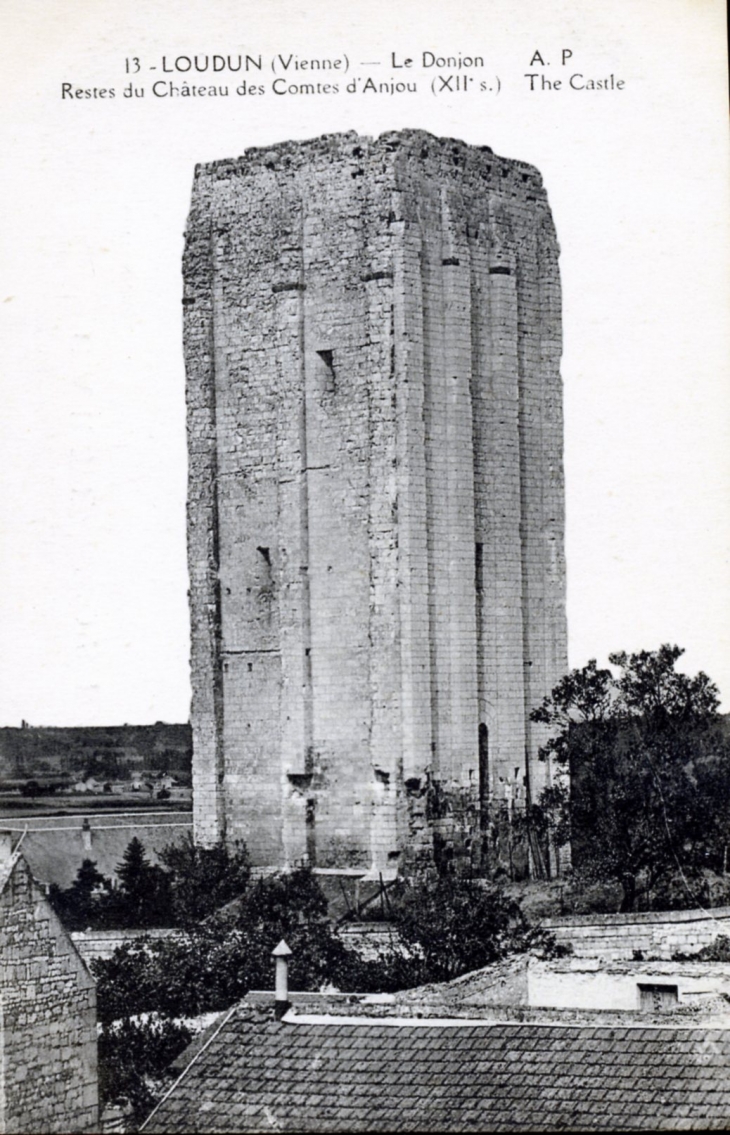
(372, 337)
(92, 944)
(48, 1001)
(657, 934)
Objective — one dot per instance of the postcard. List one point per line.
(606, 125)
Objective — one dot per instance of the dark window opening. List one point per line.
(263, 574)
(310, 826)
(483, 774)
(329, 376)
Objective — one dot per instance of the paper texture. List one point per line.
(622, 108)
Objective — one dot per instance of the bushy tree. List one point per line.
(133, 1058)
(453, 925)
(442, 928)
(203, 879)
(191, 884)
(173, 977)
(642, 746)
(214, 963)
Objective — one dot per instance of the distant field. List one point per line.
(108, 753)
(36, 806)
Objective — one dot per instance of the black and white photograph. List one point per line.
(365, 516)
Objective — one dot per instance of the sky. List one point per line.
(94, 197)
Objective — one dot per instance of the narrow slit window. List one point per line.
(328, 371)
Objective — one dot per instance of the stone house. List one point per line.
(48, 1052)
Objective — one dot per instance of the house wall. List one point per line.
(372, 336)
(579, 985)
(48, 1016)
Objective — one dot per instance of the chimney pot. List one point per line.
(282, 953)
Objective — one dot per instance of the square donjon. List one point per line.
(376, 499)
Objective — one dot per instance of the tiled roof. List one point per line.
(7, 868)
(299, 1075)
(54, 847)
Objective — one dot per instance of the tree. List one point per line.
(639, 745)
(191, 885)
(449, 926)
(202, 879)
(143, 897)
(454, 925)
(133, 1059)
(712, 777)
(77, 907)
(214, 963)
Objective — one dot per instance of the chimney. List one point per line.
(6, 847)
(282, 953)
(86, 835)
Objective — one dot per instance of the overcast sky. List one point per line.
(93, 579)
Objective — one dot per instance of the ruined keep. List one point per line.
(376, 498)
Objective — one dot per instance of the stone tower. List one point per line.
(376, 500)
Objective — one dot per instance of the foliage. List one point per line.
(443, 928)
(192, 883)
(649, 771)
(717, 951)
(207, 966)
(107, 753)
(32, 788)
(103, 765)
(202, 879)
(133, 1056)
(77, 906)
(454, 925)
(142, 898)
(213, 964)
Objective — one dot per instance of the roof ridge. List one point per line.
(293, 1018)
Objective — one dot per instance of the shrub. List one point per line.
(133, 1057)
